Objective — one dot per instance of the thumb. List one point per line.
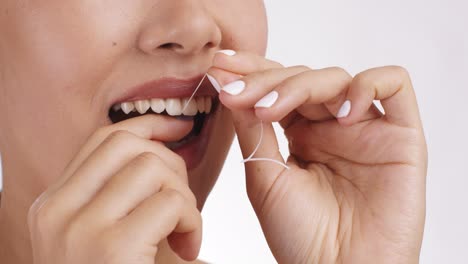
(260, 174)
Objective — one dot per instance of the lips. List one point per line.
(175, 93)
(168, 88)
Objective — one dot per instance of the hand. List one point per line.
(355, 192)
(118, 199)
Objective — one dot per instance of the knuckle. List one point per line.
(174, 196)
(73, 230)
(180, 163)
(191, 197)
(101, 132)
(373, 78)
(275, 64)
(119, 136)
(362, 79)
(147, 157)
(33, 209)
(43, 218)
(342, 73)
(401, 71)
(146, 161)
(258, 78)
(187, 194)
(278, 65)
(301, 68)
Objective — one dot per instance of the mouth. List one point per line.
(171, 97)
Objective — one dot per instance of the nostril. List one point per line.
(171, 46)
(210, 45)
(178, 47)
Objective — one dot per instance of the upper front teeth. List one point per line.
(173, 106)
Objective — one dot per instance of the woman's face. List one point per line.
(64, 64)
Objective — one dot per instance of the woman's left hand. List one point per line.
(355, 191)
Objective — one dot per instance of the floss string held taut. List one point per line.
(251, 157)
(194, 92)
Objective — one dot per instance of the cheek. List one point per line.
(71, 41)
(58, 52)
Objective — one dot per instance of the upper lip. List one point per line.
(168, 88)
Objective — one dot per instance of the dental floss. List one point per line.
(194, 92)
(250, 158)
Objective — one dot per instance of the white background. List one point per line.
(430, 39)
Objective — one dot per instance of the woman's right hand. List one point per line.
(122, 195)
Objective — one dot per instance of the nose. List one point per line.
(181, 26)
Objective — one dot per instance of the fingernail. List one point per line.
(234, 88)
(227, 52)
(344, 110)
(268, 101)
(214, 83)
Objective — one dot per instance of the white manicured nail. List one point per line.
(227, 52)
(214, 83)
(344, 110)
(268, 101)
(234, 88)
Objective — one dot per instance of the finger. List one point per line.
(392, 85)
(161, 215)
(144, 176)
(261, 175)
(116, 150)
(155, 127)
(219, 77)
(187, 245)
(243, 63)
(312, 93)
(244, 93)
(278, 92)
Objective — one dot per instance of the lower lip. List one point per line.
(193, 151)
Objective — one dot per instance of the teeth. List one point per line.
(172, 106)
(127, 107)
(201, 104)
(116, 107)
(158, 105)
(142, 106)
(208, 105)
(191, 109)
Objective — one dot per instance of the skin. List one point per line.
(355, 192)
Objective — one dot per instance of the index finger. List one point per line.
(151, 127)
(243, 63)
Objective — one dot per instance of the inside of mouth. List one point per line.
(198, 123)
